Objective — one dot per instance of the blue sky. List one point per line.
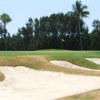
(21, 10)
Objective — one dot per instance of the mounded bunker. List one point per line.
(28, 84)
(43, 80)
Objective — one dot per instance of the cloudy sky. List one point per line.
(21, 10)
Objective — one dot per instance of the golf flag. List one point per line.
(62, 40)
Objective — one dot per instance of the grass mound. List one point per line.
(2, 76)
(91, 95)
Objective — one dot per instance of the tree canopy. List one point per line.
(57, 31)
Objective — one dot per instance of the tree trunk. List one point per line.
(5, 39)
(81, 45)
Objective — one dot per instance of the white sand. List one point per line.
(70, 65)
(22, 83)
(94, 60)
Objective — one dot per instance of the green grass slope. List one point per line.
(75, 57)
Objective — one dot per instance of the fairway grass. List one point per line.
(75, 57)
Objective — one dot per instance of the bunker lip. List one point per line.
(29, 84)
(94, 60)
(67, 64)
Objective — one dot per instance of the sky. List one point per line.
(21, 10)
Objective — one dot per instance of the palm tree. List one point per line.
(5, 18)
(96, 24)
(80, 12)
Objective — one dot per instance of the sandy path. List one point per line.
(22, 83)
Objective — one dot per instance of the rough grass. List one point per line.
(39, 60)
(92, 95)
(41, 63)
(2, 77)
(75, 57)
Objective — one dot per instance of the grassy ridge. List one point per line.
(41, 63)
(39, 60)
(75, 57)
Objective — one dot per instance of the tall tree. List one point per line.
(36, 28)
(1, 37)
(27, 34)
(80, 12)
(95, 40)
(96, 24)
(5, 18)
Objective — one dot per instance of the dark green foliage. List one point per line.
(48, 33)
(96, 24)
(57, 31)
(79, 11)
(95, 40)
(5, 18)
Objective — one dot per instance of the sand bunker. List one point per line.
(94, 60)
(70, 65)
(22, 83)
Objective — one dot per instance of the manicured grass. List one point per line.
(52, 52)
(75, 57)
(92, 95)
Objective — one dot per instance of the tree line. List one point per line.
(57, 31)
